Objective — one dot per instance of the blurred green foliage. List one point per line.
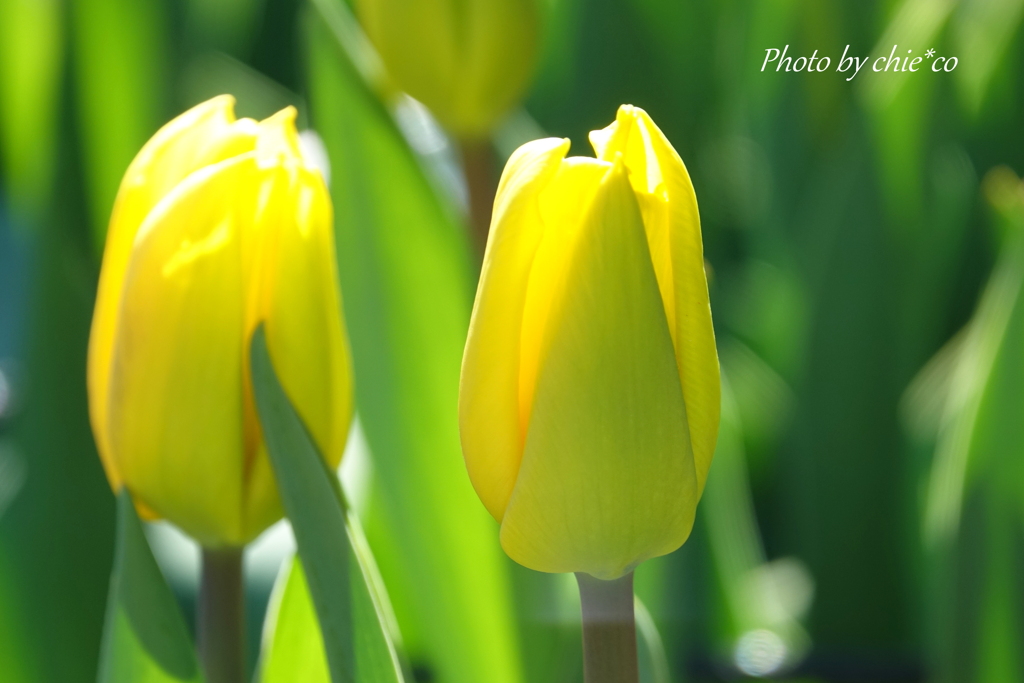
(871, 528)
(353, 622)
(405, 274)
(145, 638)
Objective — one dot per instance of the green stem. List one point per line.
(609, 629)
(482, 182)
(220, 616)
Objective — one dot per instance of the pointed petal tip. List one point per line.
(553, 147)
(535, 158)
(224, 100)
(285, 116)
(545, 145)
(278, 137)
(223, 105)
(631, 113)
(613, 138)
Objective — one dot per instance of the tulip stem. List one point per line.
(482, 183)
(609, 629)
(220, 616)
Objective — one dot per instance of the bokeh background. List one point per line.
(865, 245)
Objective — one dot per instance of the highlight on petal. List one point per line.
(563, 206)
(607, 478)
(669, 208)
(174, 411)
(278, 139)
(489, 415)
(206, 134)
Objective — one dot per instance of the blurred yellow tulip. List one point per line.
(469, 61)
(219, 224)
(589, 401)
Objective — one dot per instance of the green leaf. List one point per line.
(293, 646)
(973, 524)
(145, 639)
(121, 64)
(352, 628)
(916, 23)
(982, 396)
(31, 52)
(982, 35)
(407, 281)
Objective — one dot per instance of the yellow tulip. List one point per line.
(220, 224)
(469, 61)
(590, 387)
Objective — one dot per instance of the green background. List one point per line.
(863, 241)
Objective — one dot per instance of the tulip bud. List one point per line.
(590, 389)
(219, 225)
(469, 61)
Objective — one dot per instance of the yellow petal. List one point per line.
(278, 140)
(300, 304)
(669, 208)
(489, 391)
(607, 477)
(205, 134)
(563, 206)
(175, 412)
